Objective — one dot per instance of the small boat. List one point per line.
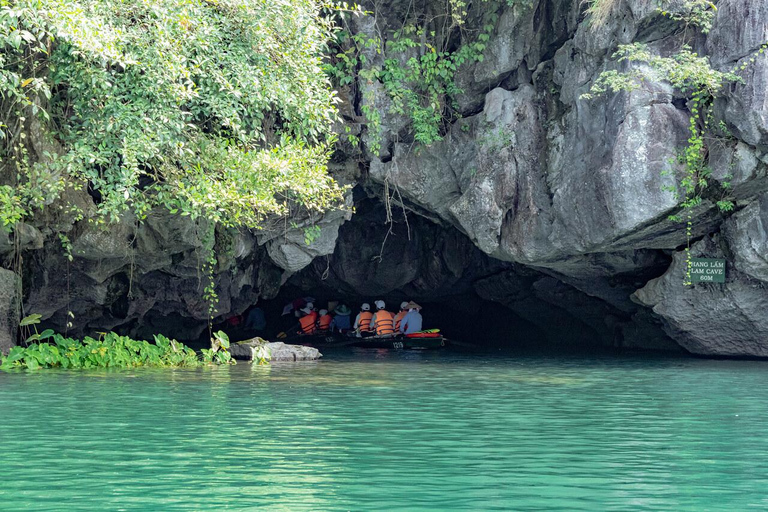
(417, 341)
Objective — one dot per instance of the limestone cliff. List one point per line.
(555, 206)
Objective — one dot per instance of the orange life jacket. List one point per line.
(398, 318)
(307, 323)
(324, 323)
(384, 322)
(365, 321)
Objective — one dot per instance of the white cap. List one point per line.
(380, 304)
(365, 306)
(306, 310)
(323, 312)
(404, 304)
(310, 305)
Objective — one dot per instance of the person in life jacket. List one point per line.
(324, 322)
(308, 322)
(363, 320)
(400, 315)
(383, 321)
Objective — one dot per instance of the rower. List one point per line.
(383, 320)
(363, 320)
(341, 320)
(400, 314)
(324, 322)
(412, 321)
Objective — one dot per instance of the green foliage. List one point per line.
(598, 11)
(311, 233)
(685, 70)
(417, 71)
(697, 13)
(215, 109)
(219, 351)
(109, 351)
(209, 264)
(261, 354)
(497, 140)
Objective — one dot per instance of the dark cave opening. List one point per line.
(475, 301)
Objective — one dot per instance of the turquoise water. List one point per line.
(391, 431)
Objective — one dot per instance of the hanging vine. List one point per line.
(694, 77)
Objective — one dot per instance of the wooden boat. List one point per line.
(416, 341)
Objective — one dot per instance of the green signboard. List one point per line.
(706, 270)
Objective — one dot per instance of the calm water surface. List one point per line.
(391, 431)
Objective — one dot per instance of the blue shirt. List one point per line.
(341, 322)
(256, 319)
(411, 322)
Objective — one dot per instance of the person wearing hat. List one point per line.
(341, 321)
(412, 321)
(383, 321)
(363, 320)
(324, 321)
(308, 321)
(400, 314)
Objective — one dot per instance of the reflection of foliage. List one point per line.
(694, 77)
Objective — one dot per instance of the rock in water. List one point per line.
(278, 351)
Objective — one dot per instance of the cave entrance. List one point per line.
(475, 301)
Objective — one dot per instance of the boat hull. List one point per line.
(331, 340)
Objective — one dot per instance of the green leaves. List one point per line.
(173, 103)
(30, 320)
(109, 351)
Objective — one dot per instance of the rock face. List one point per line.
(582, 189)
(9, 309)
(148, 278)
(729, 319)
(554, 206)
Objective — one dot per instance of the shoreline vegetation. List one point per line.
(111, 350)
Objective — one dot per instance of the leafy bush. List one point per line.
(109, 351)
(218, 109)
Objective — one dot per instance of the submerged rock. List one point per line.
(278, 351)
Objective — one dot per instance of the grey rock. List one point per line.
(278, 351)
(10, 288)
(720, 319)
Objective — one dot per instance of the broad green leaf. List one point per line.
(30, 320)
